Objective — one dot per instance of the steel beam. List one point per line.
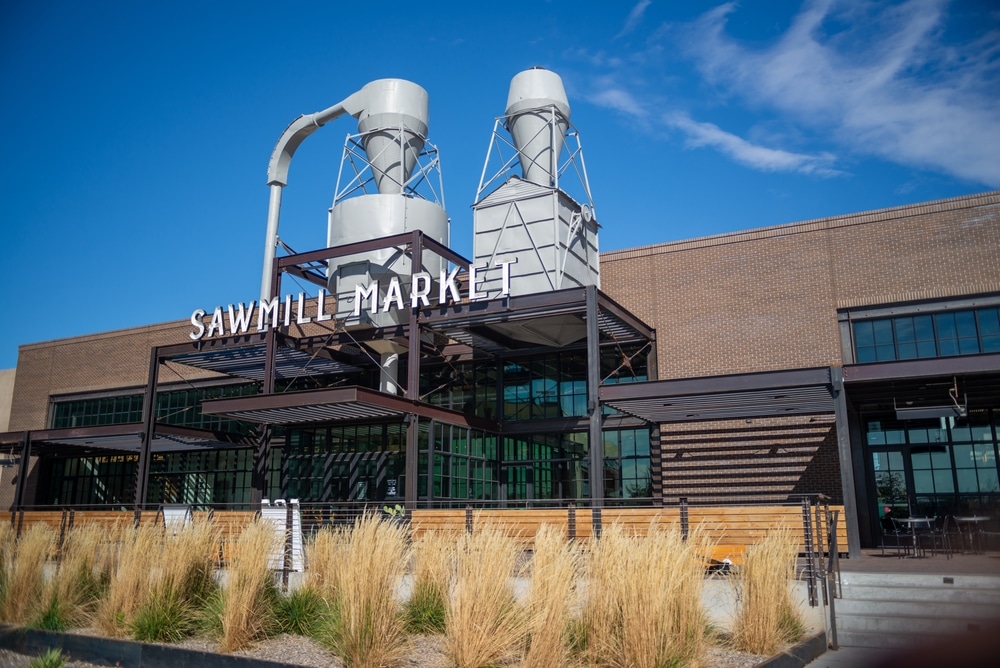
(595, 438)
(846, 464)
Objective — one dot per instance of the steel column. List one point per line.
(148, 425)
(262, 452)
(413, 382)
(22, 470)
(595, 439)
(846, 463)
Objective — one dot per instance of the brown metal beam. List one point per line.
(342, 395)
(717, 384)
(937, 366)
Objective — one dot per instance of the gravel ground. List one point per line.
(424, 652)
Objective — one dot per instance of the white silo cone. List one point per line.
(393, 124)
(533, 95)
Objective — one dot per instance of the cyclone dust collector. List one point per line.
(384, 187)
(529, 218)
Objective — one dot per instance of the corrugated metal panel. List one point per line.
(314, 413)
(513, 189)
(248, 362)
(729, 405)
(133, 443)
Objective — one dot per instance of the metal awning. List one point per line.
(248, 362)
(334, 405)
(915, 388)
(125, 438)
(769, 394)
(501, 325)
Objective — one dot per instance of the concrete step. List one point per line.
(897, 610)
(904, 625)
(934, 608)
(945, 594)
(978, 582)
(880, 640)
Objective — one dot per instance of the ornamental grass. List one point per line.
(555, 570)
(433, 562)
(24, 581)
(243, 612)
(643, 601)
(484, 625)
(766, 616)
(136, 552)
(82, 579)
(368, 630)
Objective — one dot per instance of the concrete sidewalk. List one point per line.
(851, 657)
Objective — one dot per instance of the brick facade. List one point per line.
(107, 361)
(767, 299)
(761, 300)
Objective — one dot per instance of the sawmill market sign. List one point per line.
(292, 310)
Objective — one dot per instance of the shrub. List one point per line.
(766, 617)
(301, 612)
(484, 624)
(53, 658)
(164, 617)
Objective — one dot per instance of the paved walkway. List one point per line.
(872, 561)
(850, 657)
(983, 651)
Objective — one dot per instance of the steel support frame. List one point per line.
(846, 463)
(413, 385)
(148, 425)
(595, 440)
(22, 470)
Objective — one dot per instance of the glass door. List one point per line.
(893, 484)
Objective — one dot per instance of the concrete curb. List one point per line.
(799, 655)
(123, 653)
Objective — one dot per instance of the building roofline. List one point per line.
(830, 222)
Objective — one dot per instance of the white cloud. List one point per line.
(614, 97)
(701, 134)
(884, 83)
(634, 18)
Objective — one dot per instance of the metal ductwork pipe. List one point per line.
(379, 104)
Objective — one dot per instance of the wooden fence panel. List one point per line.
(441, 521)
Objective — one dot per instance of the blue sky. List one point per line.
(137, 134)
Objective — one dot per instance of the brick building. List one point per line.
(856, 356)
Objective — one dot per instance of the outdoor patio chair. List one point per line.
(934, 535)
(895, 537)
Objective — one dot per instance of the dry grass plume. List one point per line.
(24, 584)
(370, 630)
(247, 612)
(766, 616)
(555, 569)
(643, 603)
(433, 563)
(136, 554)
(484, 625)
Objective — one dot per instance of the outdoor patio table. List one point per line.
(969, 527)
(912, 524)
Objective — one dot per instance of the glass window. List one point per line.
(963, 332)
